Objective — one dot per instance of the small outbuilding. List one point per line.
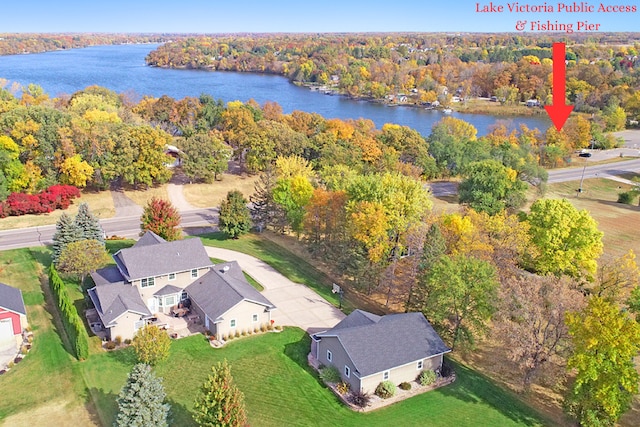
(13, 316)
(368, 349)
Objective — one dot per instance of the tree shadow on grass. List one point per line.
(472, 387)
(102, 406)
(180, 415)
(298, 352)
(125, 356)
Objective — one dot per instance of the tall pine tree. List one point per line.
(141, 400)
(264, 210)
(88, 224)
(67, 231)
(220, 403)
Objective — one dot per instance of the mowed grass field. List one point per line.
(618, 222)
(281, 389)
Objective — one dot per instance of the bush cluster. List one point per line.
(330, 374)
(427, 377)
(71, 320)
(360, 398)
(54, 197)
(386, 389)
(343, 387)
(405, 386)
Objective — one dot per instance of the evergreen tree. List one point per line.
(235, 219)
(88, 224)
(220, 403)
(66, 232)
(264, 210)
(141, 400)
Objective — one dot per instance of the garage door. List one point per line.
(6, 333)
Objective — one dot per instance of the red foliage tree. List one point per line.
(161, 217)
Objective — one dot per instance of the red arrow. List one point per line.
(559, 111)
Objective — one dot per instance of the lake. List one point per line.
(123, 69)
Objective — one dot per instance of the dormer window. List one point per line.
(194, 273)
(172, 276)
(147, 282)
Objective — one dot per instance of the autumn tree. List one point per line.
(75, 171)
(292, 195)
(220, 402)
(490, 187)
(458, 295)
(141, 401)
(605, 341)
(161, 217)
(205, 157)
(82, 257)
(151, 345)
(568, 240)
(67, 231)
(235, 218)
(531, 321)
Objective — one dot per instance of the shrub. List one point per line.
(256, 330)
(224, 337)
(343, 387)
(330, 374)
(24, 349)
(446, 370)
(270, 327)
(405, 386)
(230, 337)
(278, 327)
(263, 327)
(118, 340)
(386, 389)
(360, 398)
(244, 332)
(110, 345)
(127, 341)
(427, 377)
(237, 333)
(626, 197)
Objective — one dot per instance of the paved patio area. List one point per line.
(296, 304)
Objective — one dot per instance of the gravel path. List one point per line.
(124, 205)
(296, 304)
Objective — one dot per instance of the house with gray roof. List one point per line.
(13, 316)
(227, 302)
(368, 349)
(153, 276)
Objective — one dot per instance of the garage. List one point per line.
(6, 333)
(13, 315)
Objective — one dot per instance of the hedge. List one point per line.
(71, 321)
(54, 197)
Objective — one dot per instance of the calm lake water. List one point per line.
(122, 69)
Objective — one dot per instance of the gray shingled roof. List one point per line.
(107, 275)
(167, 290)
(11, 299)
(149, 238)
(138, 262)
(113, 300)
(218, 291)
(376, 344)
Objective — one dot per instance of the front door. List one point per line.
(151, 304)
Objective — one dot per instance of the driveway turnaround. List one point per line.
(296, 304)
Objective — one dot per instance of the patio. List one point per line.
(179, 327)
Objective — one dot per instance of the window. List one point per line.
(170, 300)
(232, 323)
(150, 281)
(329, 355)
(184, 296)
(254, 318)
(159, 302)
(385, 375)
(419, 365)
(172, 276)
(194, 273)
(347, 371)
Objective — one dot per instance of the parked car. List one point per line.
(584, 155)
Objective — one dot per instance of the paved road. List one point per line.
(296, 304)
(125, 227)
(595, 171)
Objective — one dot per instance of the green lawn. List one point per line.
(288, 264)
(280, 388)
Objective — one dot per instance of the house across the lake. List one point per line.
(368, 349)
(174, 278)
(13, 316)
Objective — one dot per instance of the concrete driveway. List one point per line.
(296, 304)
